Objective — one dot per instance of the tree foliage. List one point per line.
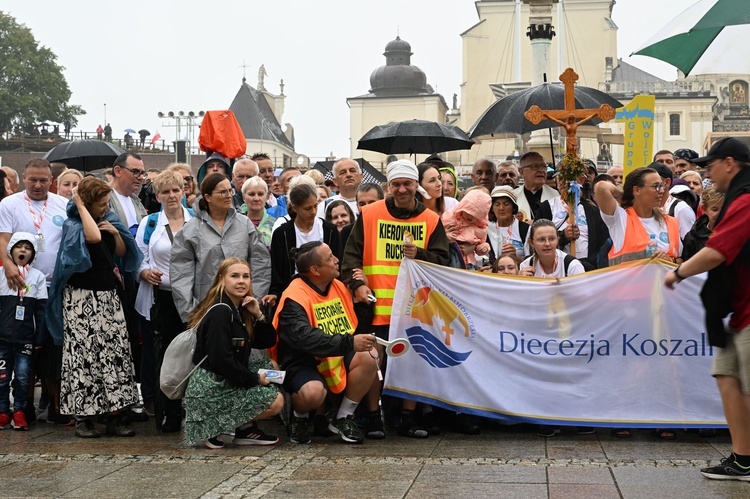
(32, 85)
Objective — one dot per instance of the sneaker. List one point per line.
(19, 421)
(375, 427)
(213, 443)
(116, 427)
(85, 428)
(728, 469)
(4, 420)
(253, 435)
(409, 427)
(431, 423)
(347, 430)
(548, 431)
(300, 430)
(44, 415)
(320, 426)
(172, 424)
(467, 424)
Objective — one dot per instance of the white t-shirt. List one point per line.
(618, 222)
(575, 267)
(128, 208)
(512, 234)
(683, 213)
(316, 234)
(16, 217)
(560, 219)
(351, 202)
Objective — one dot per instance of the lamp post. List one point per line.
(183, 145)
(105, 113)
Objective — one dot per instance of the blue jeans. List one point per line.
(15, 363)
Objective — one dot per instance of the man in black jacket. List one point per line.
(317, 345)
(726, 257)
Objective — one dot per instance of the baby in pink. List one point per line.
(466, 224)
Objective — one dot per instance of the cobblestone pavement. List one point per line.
(49, 461)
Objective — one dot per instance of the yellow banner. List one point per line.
(391, 238)
(638, 117)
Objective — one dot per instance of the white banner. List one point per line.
(608, 348)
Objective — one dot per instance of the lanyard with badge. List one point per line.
(20, 308)
(37, 222)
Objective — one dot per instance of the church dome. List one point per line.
(398, 77)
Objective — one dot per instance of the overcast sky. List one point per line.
(141, 57)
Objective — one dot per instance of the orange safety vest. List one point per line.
(332, 314)
(637, 239)
(384, 248)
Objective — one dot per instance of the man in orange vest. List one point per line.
(316, 322)
(385, 232)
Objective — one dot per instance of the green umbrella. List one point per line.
(706, 38)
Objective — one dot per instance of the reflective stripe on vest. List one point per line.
(637, 239)
(383, 251)
(332, 314)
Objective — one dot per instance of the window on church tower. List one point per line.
(674, 124)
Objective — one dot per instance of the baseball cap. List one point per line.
(728, 147)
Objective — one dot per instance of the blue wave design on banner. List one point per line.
(432, 349)
(641, 113)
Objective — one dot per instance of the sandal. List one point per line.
(621, 433)
(666, 434)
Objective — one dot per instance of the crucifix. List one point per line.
(567, 117)
(244, 68)
(570, 119)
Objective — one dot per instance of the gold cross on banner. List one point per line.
(567, 117)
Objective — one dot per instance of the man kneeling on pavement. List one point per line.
(318, 347)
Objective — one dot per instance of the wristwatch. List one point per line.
(677, 273)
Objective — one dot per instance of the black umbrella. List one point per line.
(506, 115)
(143, 132)
(414, 137)
(85, 155)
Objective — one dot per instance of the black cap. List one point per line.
(728, 147)
(663, 170)
(687, 154)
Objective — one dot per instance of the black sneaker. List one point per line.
(728, 469)
(300, 430)
(409, 427)
(431, 423)
(375, 427)
(467, 424)
(347, 430)
(116, 427)
(213, 443)
(253, 435)
(172, 424)
(548, 431)
(85, 428)
(320, 426)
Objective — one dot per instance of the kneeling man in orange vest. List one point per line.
(317, 346)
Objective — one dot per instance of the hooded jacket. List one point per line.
(73, 257)
(200, 247)
(28, 330)
(202, 170)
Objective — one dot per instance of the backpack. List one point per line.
(567, 261)
(177, 366)
(151, 225)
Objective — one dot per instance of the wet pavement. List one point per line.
(50, 461)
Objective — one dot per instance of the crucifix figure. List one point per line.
(569, 118)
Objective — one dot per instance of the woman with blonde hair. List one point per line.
(190, 187)
(67, 181)
(227, 392)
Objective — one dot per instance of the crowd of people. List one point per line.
(279, 269)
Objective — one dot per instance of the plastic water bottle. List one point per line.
(651, 248)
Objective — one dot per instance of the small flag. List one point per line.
(156, 137)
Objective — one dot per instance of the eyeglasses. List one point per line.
(536, 166)
(709, 166)
(658, 187)
(187, 178)
(225, 193)
(134, 171)
(545, 240)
